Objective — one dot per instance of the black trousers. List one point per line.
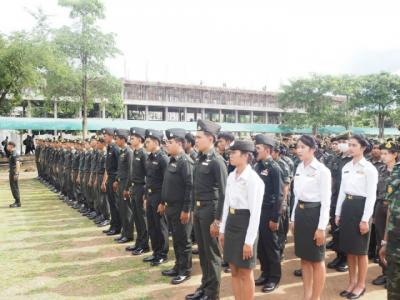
(14, 187)
(158, 226)
(125, 211)
(181, 240)
(268, 250)
(283, 228)
(102, 198)
(381, 209)
(115, 223)
(139, 216)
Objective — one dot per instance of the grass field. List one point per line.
(49, 251)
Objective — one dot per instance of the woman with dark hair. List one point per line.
(312, 190)
(385, 192)
(241, 218)
(354, 210)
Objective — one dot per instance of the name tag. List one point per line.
(360, 172)
(155, 163)
(137, 158)
(265, 172)
(173, 165)
(204, 164)
(297, 174)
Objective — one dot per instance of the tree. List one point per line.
(87, 48)
(378, 95)
(310, 102)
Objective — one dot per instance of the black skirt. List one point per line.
(234, 238)
(305, 224)
(351, 241)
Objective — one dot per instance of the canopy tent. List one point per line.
(43, 124)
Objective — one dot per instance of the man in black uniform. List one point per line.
(109, 179)
(177, 196)
(121, 185)
(209, 182)
(189, 146)
(156, 165)
(225, 139)
(14, 168)
(137, 180)
(268, 246)
(101, 196)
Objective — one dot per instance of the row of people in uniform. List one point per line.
(245, 213)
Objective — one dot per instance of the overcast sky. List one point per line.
(246, 44)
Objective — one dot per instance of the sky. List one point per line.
(243, 44)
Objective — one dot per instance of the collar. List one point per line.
(178, 156)
(208, 154)
(362, 162)
(245, 174)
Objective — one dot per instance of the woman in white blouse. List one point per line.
(354, 209)
(312, 190)
(240, 219)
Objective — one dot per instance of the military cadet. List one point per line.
(178, 199)
(312, 189)
(156, 165)
(340, 158)
(389, 251)
(269, 250)
(189, 146)
(14, 169)
(92, 194)
(75, 173)
(286, 180)
(225, 138)
(68, 172)
(38, 149)
(137, 181)
(103, 218)
(355, 205)
(111, 169)
(81, 176)
(121, 185)
(86, 178)
(241, 218)
(389, 154)
(209, 181)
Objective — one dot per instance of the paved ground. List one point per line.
(48, 251)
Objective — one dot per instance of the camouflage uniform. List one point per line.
(393, 235)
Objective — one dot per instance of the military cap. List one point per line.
(122, 133)
(242, 145)
(156, 134)
(100, 140)
(140, 132)
(344, 136)
(176, 133)
(208, 126)
(226, 135)
(390, 146)
(264, 140)
(109, 131)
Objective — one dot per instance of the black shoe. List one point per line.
(225, 264)
(380, 280)
(113, 232)
(227, 270)
(140, 251)
(149, 258)
(195, 296)
(104, 223)
(261, 281)
(14, 205)
(131, 248)
(170, 273)
(158, 261)
(179, 279)
(376, 260)
(342, 267)
(333, 264)
(205, 297)
(107, 230)
(330, 245)
(344, 294)
(118, 238)
(298, 273)
(124, 240)
(355, 296)
(269, 287)
(195, 251)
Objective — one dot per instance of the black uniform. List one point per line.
(13, 158)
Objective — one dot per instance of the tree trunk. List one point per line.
(314, 130)
(381, 124)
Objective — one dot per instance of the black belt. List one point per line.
(137, 183)
(202, 203)
(304, 205)
(234, 211)
(352, 197)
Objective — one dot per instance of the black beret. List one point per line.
(345, 136)
(157, 134)
(390, 146)
(109, 131)
(175, 133)
(124, 133)
(242, 146)
(141, 132)
(226, 135)
(208, 126)
(264, 140)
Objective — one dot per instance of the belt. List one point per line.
(234, 211)
(352, 197)
(203, 203)
(303, 204)
(137, 183)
